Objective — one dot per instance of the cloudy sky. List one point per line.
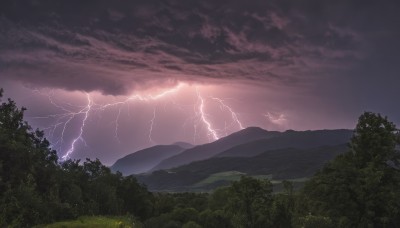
(106, 78)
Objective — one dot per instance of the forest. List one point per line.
(360, 188)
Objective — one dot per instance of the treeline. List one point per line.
(360, 188)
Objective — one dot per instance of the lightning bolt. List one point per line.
(67, 117)
(233, 114)
(203, 118)
(151, 125)
(137, 97)
(117, 125)
(86, 111)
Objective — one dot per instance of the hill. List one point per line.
(184, 145)
(290, 138)
(288, 163)
(208, 150)
(143, 160)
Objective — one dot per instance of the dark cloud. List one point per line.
(117, 46)
(280, 64)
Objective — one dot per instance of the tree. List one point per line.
(362, 186)
(136, 199)
(283, 206)
(28, 193)
(374, 141)
(214, 219)
(219, 199)
(191, 224)
(250, 202)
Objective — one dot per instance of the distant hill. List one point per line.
(184, 145)
(288, 163)
(208, 150)
(287, 139)
(144, 160)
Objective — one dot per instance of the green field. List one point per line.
(223, 176)
(94, 221)
(226, 176)
(297, 180)
(230, 176)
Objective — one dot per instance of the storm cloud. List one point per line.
(277, 64)
(119, 46)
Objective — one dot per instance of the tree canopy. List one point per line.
(362, 186)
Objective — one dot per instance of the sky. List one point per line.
(106, 78)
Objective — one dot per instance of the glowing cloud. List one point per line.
(279, 119)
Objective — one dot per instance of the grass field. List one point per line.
(226, 176)
(235, 176)
(94, 221)
(223, 176)
(297, 180)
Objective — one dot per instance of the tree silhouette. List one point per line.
(362, 186)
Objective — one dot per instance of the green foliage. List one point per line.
(249, 203)
(135, 198)
(184, 215)
(374, 141)
(361, 187)
(27, 168)
(214, 219)
(191, 224)
(96, 221)
(219, 199)
(312, 221)
(283, 206)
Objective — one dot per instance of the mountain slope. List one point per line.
(184, 145)
(288, 163)
(295, 139)
(143, 160)
(276, 162)
(211, 149)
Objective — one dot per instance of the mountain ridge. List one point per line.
(143, 160)
(208, 150)
(290, 138)
(280, 164)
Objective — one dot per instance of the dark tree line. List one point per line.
(360, 188)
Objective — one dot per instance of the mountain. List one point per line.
(208, 150)
(143, 160)
(184, 145)
(288, 163)
(290, 138)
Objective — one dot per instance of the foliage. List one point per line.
(250, 202)
(361, 187)
(95, 221)
(191, 224)
(283, 206)
(27, 165)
